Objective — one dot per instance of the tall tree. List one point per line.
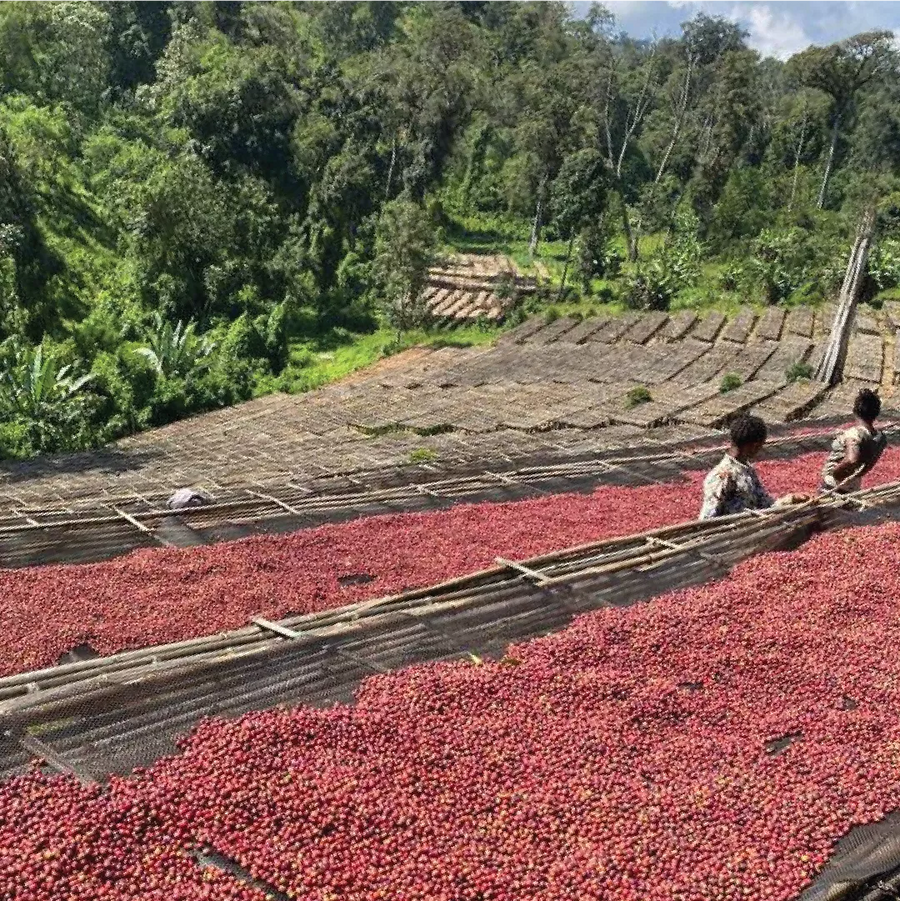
(579, 197)
(705, 39)
(842, 70)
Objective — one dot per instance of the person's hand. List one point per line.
(789, 500)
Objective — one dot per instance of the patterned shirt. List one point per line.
(732, 487)
(869, 446)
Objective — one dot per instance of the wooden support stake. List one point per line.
(268, 497)
(141, 527)
(278, 629)
(532, 574)
(39, 749)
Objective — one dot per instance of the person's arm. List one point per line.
(848, 466)
(716, 494)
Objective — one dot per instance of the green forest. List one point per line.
(204, 202)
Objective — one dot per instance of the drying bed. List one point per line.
(713, 743)
(543, 387)
(97, 529)
(160, 595)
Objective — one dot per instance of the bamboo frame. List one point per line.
(718, 543)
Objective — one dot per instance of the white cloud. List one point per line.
(777, 27)
(772, 33)
(637, 8)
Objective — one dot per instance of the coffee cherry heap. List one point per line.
(161, 595)
(628, 757)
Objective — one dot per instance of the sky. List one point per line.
(776, 29)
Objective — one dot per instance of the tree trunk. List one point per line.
(679, 122)
(536, 224)
(797, 155)
(562, 287)
(630, 240)
(665, 160)
(390, 175)
(829, 162)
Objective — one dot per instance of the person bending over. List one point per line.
(733, 485)
(855, 451)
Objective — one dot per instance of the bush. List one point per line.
(732, 276)
(798, 371)
(729, 382)
(598, 256)
(884, 263)
(123, 383)
(637, 396)
(650, 288)
(783, 261)
(505, 286)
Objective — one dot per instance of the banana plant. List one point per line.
(178, 350)
(44, 399)
(35, 383)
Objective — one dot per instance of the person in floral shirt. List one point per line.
(733, 485)
(855, 451)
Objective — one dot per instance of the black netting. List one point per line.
(130, 710)
(867, 856)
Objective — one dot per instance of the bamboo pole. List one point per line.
(737, 535)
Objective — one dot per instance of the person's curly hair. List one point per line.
(867, 405)
(747, 430)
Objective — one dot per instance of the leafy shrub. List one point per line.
(637, 396)
(675, 267)
(176, 351)
(123, 383)
(551, 315)
(776, 263)
(505, 286)
(884, 263)
(598, 256)
(732, 276)
(797, 371)
(517, 315)
(781, 262)
(729, 382)
(45, 403)
(683, 258)
(651, 287)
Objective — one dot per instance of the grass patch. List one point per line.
(730, 381)
(337, 353)
(397, 428)
(422, 455)
(379, 431)
(441, 429)
(797, 371)
(39, 729)
(637, 396)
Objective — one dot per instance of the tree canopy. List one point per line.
(187, 190)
